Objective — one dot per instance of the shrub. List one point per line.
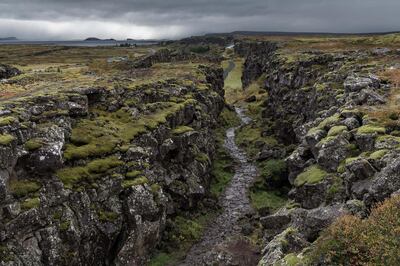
(353, 241)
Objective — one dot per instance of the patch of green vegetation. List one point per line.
(5, 121)
(135, 182)
(5, 254)
(228, 119)
(369, 129)
(385, 138)
(269, 200)
(21, 188)
(335, 188)
(248, 136)
(181, 130)
(71, 176)
(65, 225)
(336, 130)
(234, 78)
(6, 139)
(202, 157)
(329, 122)
(222, 172)
(133, 174)
(106, 216)
(33, 144)
(291, 259)
(30, 203)
(161, 259)
(311, 175)
(103, 165)
(271, 172)
(377, 155)
(155, 188)
(100, 136)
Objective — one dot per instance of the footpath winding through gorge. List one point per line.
(225, 232)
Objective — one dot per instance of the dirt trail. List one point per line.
(234, 201)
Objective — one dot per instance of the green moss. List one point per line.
(30, 203)
(103, 165)
(155, 188)
(161, 259)
(6, 139)
(105, 216)
(291, 259)
(202, 157)
(222, 172)
(181, 130)
(70, 176)
(133, 174)
(33, 144)
(5, 254)
(311, 175)
(269, 200)
(377, 155)
(350, 160)
(336, 130)
(21, 188)
(328, 122)
(104, 133)
(271, 172)
(250, 135)
(335, 188)
(369, 129)
(5, 121)
(135, 182)
(64, 226)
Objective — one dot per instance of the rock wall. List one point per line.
(88, 177)
(344, 161)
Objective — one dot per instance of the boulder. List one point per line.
(7, 71)
(332, 151)
(354, 83)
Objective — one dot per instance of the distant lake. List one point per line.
(79, 43)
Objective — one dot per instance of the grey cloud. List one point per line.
(177, 18)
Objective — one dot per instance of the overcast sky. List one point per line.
(121, 19)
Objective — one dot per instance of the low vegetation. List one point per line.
(311, 175)
(372, 241)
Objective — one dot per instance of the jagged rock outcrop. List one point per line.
(344, 161)
(88, 177)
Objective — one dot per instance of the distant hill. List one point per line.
(91, 39)
(9, 39)
(283, 33)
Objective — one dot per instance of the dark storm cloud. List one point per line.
(65, 19)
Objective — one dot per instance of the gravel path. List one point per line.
(234, 201)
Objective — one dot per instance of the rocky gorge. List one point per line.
(154, 161)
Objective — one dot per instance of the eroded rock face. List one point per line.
(67, 199)
(347, 161)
